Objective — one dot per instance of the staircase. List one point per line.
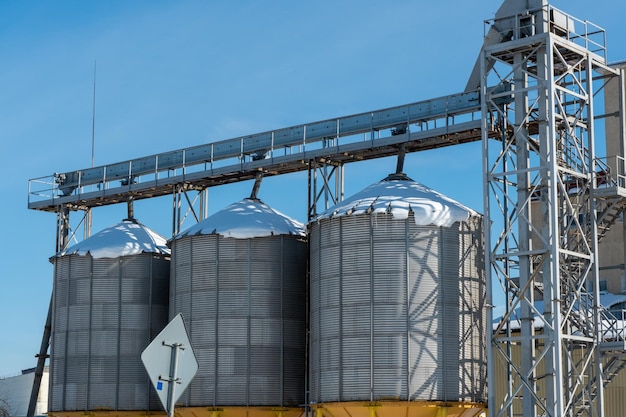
(612, 346)
(610, 198)
(610, 194)
(611, 203)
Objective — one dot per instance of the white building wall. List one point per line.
(15, 394)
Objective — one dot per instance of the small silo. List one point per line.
(397, 295)
(110, 299)
(239, 279)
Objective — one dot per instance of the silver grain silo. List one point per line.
(397, 303)
(110, 298)
(239, 279)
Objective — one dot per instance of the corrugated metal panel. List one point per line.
(265, 331)
(104, 342)
(180, 278)
(135, 317)
(246, 293)
(133, 386)
(408, 279)
(265, 302)
(57, 379)
(78, 316)
(58, 336)
(110, 318)
(204, 274)
(183, 252)
(425, 376)
(232, 331)
(230, 387)
(472, 312)
(449, 356)
(55, 395)
(60, 315)
(75, 395)
(135, 288)
(77, 343)
(315, 307)
(265, 376)
(61, 281)
(329, 371)
(294, 367)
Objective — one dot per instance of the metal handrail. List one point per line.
(581, 32)
(613, 169)
(365, 128)
(612, 327)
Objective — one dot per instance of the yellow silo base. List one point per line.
(399, 408)
(239, 412)
(191, 412)
(339, 409)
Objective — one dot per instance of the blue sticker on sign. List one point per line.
(159, 386)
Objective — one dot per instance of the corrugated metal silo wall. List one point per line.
(397, 310)
(105, 312)
(244, 304)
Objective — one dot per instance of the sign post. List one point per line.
(169, 359)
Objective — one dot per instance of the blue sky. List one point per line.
(177, 74)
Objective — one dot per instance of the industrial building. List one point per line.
(382, 304)
(15, 392)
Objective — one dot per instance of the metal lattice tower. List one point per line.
(541, 71)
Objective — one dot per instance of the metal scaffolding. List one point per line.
(545, 192)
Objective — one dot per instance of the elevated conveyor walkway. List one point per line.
(417, 126)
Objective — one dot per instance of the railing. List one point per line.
(586, 34)
(364, 128)
(613, 326)
(614, 171)
(524, 24)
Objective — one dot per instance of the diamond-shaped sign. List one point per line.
(170, 362)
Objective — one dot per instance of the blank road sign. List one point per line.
(157, 359)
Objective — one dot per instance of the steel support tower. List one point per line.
(541, 72)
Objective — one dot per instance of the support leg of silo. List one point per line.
(442, 412)
(372, 409)
(319, 412)
(41, 360)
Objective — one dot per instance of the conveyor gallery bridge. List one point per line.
(326, 145)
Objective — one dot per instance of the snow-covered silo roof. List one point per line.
(247, 218)
(126, 238)
(399, 195)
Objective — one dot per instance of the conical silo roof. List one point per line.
(399, 195)
(123, 239)
(244, 219)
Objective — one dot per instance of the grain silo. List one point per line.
(110, 299)
(397, 305)
(239, 279)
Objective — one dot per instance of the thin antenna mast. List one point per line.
(93, 118)
(93, 148)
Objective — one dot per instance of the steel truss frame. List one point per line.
(326, 185)
(185, 206)
(541, 221)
